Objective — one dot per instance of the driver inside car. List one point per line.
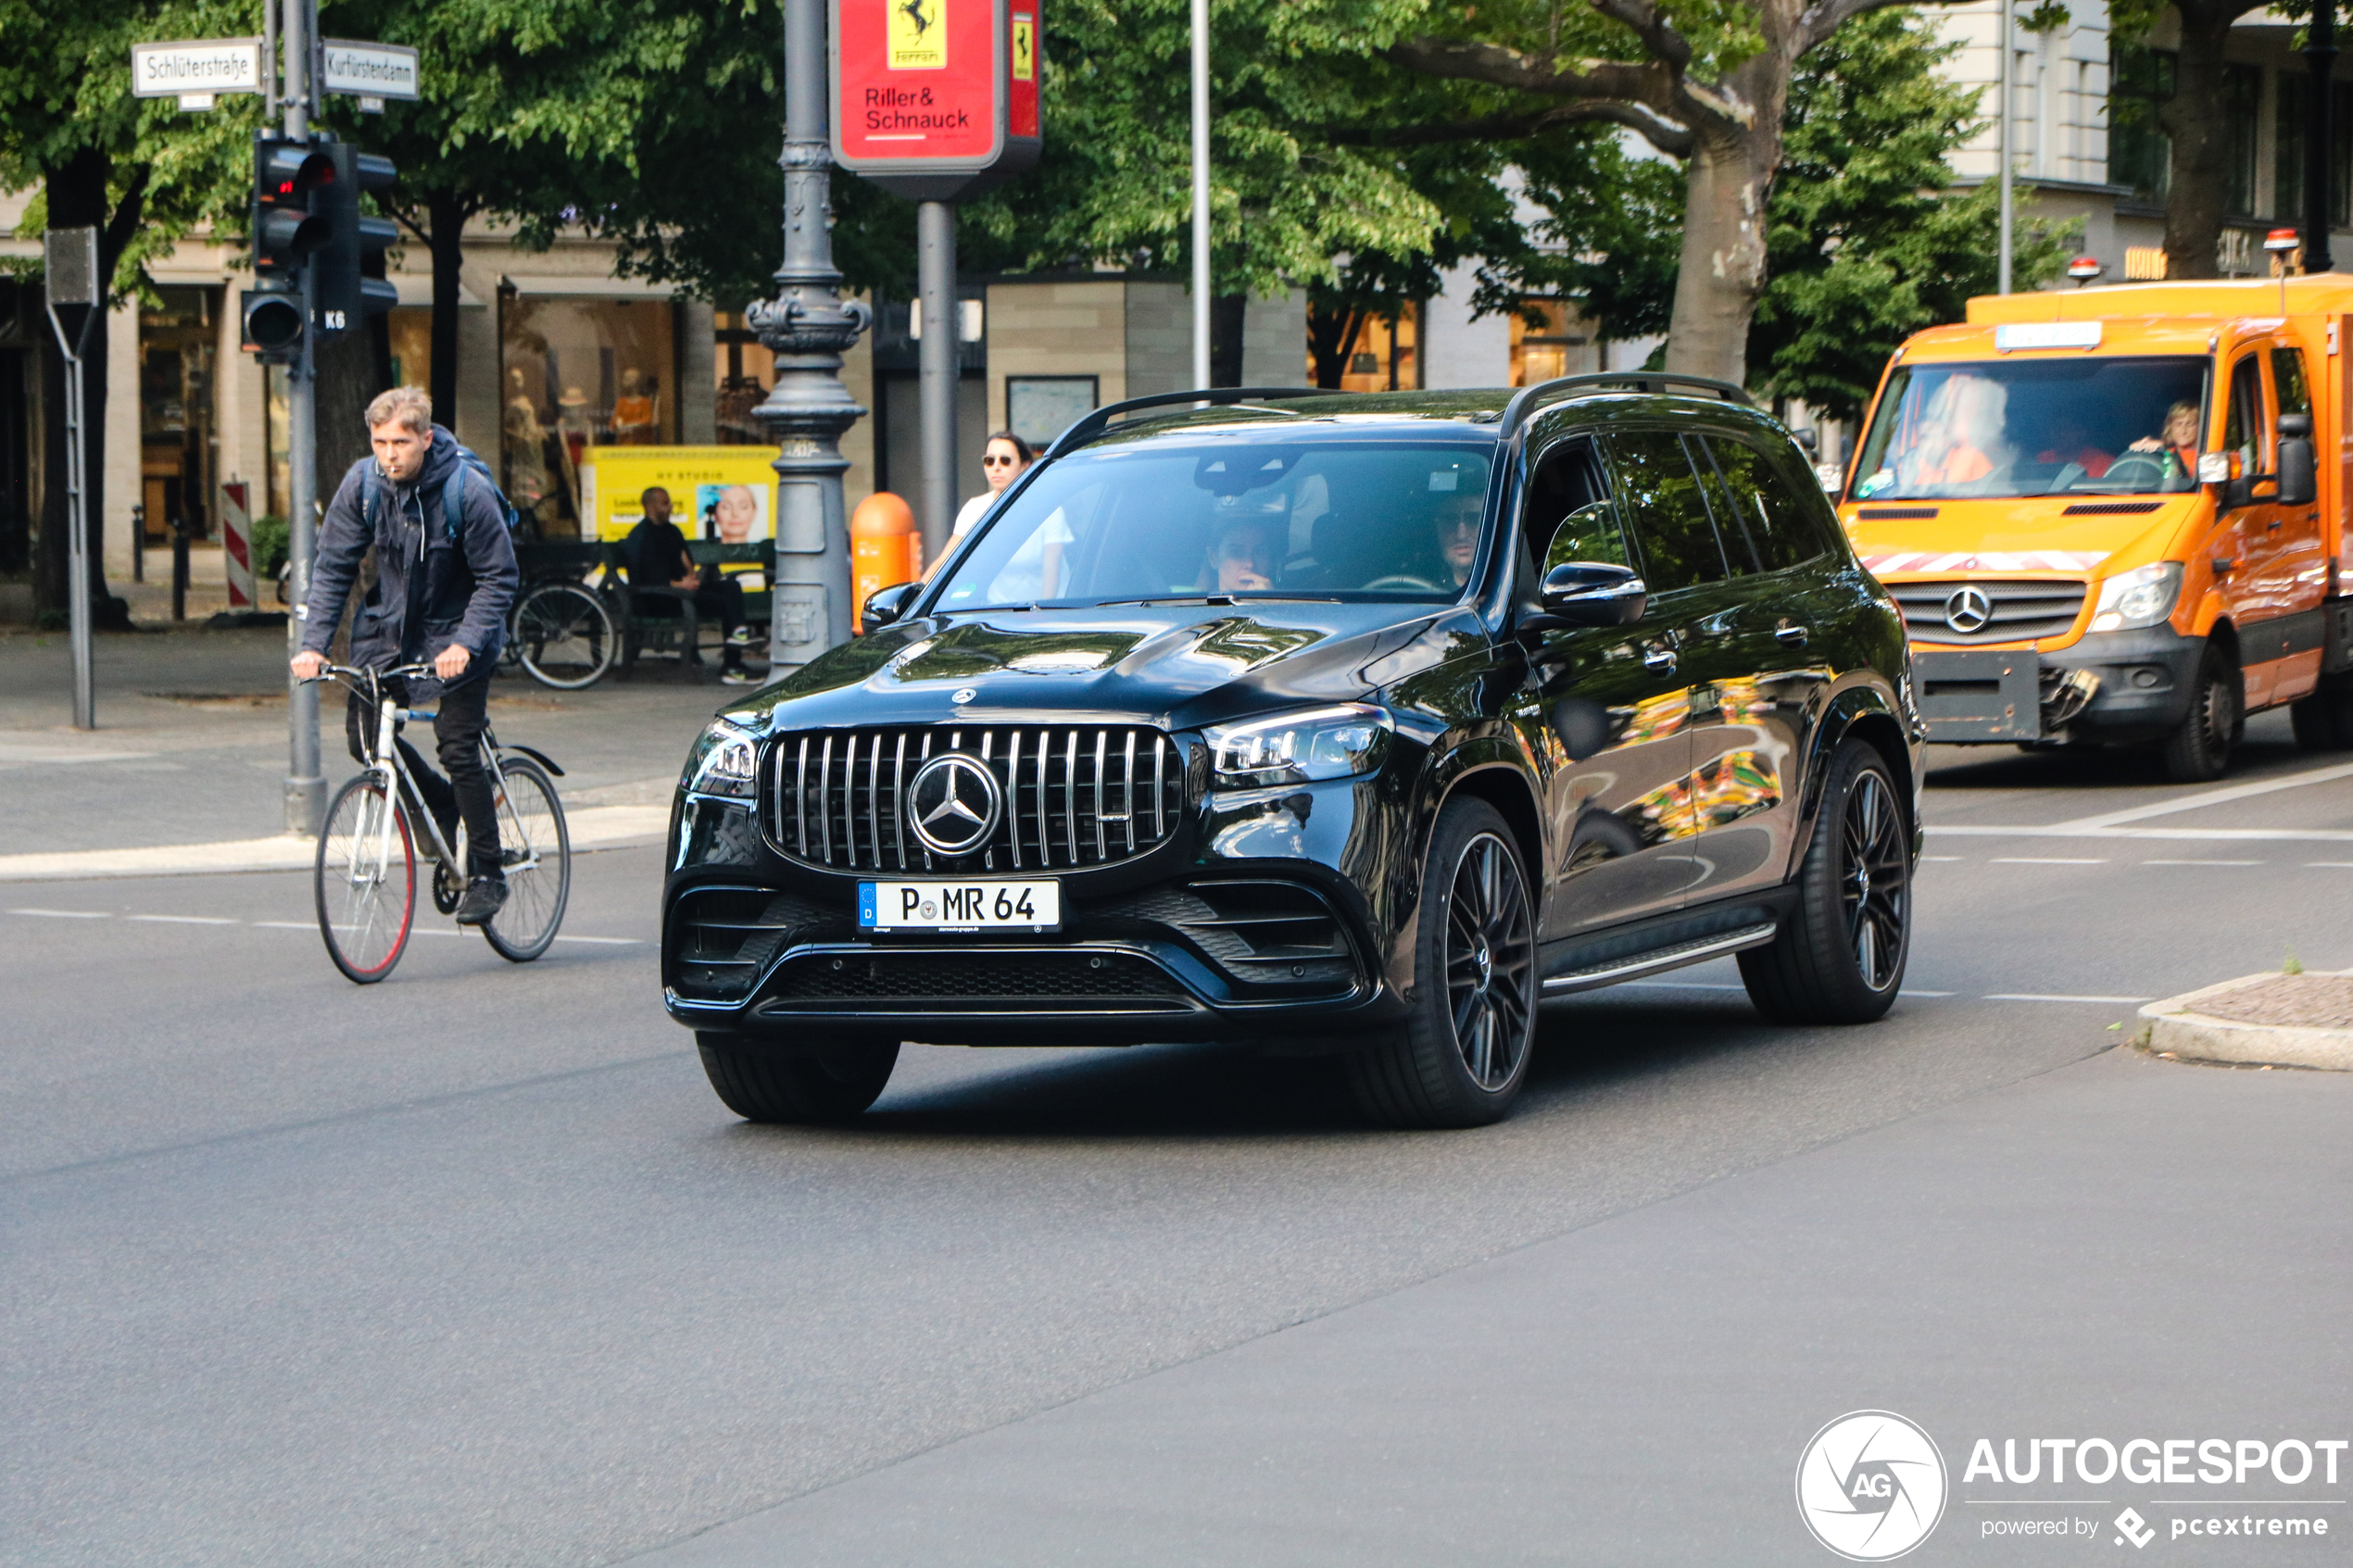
(1240, 559)
(2177, 446)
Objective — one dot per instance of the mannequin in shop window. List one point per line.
(638, 410)
(525, 444)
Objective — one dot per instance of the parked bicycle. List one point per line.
(366, 871)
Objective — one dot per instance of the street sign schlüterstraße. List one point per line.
(194, 70)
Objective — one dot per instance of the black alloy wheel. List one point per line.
(1460, 1057)
(1839, 957)
(2200, 749)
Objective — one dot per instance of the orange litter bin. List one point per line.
(885, 547)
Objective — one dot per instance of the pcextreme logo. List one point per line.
(1871, 1485)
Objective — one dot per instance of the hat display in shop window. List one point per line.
(573, 398)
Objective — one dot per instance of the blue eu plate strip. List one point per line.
(865, 903)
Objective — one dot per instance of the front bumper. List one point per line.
(2144, 680)
(1258, 934)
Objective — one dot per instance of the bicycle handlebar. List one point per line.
(399, 672)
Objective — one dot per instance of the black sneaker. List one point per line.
(485, 896)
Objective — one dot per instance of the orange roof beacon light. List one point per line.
(2281, 239)
(2086, 269)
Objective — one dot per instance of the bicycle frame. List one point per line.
(386, 764)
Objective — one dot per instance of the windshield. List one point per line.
(2110, 427)
(1324, 518)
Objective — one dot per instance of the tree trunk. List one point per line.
(1333, 331)
(446, 218)
(1722, 272)
(2194, 119)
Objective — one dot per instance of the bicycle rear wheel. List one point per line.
(365, 880)
(534, 846)
(564, 636)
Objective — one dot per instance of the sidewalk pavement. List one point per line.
(190, 756)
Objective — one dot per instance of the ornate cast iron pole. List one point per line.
(808, 326)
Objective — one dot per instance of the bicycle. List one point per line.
(365, 874)
(561, 630)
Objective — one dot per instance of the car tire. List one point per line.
(803, 1083)
(1839, 957)
(2322, 721)
(1460, 1059)
(2199, 750)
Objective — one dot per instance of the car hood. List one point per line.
(1175, 665)
(2076, 534)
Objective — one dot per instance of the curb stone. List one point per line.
(2177, 1028)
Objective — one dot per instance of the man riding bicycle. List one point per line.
(445, 577)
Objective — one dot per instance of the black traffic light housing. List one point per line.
(343, 295)
(288, 176)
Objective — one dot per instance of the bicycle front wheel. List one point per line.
(564, 636)
(534, 849)
(366, 881)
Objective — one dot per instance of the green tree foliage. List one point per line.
(1868, 243)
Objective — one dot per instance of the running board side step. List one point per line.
(1663, 959)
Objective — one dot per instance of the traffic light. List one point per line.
(287, 176)
(342, 295)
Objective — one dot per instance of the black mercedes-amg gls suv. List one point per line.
(1336, 722)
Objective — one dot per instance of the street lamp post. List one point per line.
(2002, 144)
(808, 326)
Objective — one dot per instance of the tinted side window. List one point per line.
(1569, 515)
(2287, 380)
(1774, 521)
(2242, 432)
(1665, 511)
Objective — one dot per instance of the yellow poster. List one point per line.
(723, 493)
(1024, 47)
(918, 36)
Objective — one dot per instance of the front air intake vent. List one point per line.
(1069, 797)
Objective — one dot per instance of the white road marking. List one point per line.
(65, 914)
(287, 924)
(2192, 835)
(2213, 797)
(606, 941)
(2201, 862)
(2041, 860)
(2046, 996)
(2340, 865)
(1942, 857)
(185, 919)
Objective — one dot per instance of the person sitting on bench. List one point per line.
(655, 556)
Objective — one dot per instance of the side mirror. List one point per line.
(1592, 593)
(885, 605)
(2299, 468)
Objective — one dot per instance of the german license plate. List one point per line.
(960, 906)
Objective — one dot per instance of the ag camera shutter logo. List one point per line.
(1871, 1485)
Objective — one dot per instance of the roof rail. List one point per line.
(1516, 412)
(1095, 423)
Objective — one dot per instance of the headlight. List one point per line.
(2142, 597)
(1322, 743)
(722, 762)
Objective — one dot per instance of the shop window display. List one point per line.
(179, 340)
(743, 370)
(580, 373)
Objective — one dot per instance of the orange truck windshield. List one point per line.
(2100, 426)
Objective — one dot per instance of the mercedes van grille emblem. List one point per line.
(1968, 610)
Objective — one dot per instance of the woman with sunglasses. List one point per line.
(1003, 460)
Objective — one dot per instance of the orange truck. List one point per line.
(2104, 516)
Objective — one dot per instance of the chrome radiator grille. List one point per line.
(2016, 609)
(1074, 796)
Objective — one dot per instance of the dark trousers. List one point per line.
(460, 719)
(725, 603)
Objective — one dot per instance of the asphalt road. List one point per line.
(471, 1268)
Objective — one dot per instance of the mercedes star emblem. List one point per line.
(1968, 610)
(964, 694)
(953, 803)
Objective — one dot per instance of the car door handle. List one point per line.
(1659, 661)
(1790, 636)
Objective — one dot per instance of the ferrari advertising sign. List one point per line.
(936, 100)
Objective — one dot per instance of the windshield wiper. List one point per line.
(1222, 601)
